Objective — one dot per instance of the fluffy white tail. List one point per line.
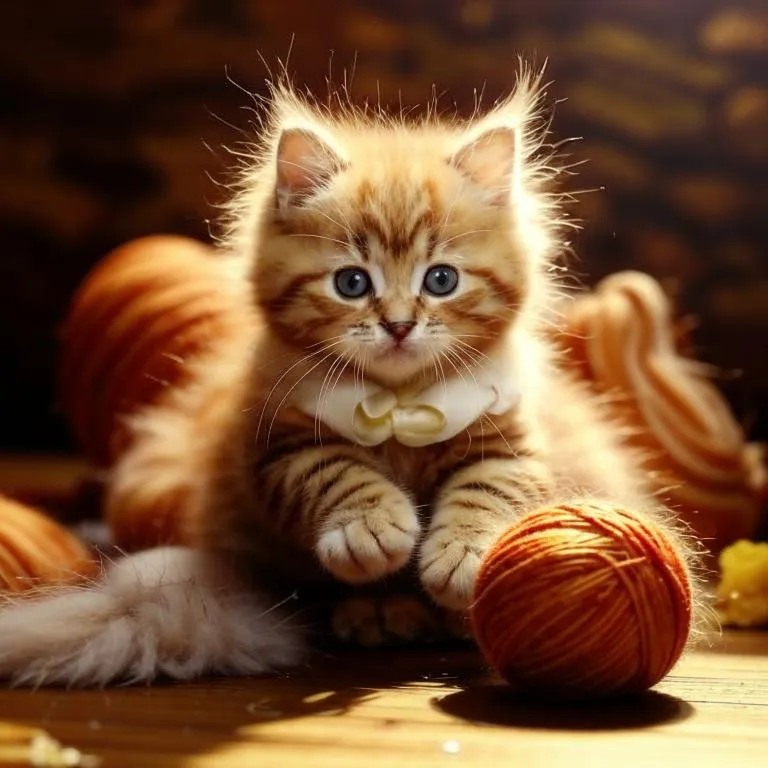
(165, 612)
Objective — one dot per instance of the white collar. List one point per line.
(368, 414)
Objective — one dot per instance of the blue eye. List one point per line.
(352, 283)
(441, 280)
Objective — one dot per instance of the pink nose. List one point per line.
(398, 331)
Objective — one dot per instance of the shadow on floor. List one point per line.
(497, 705)
(164, 725)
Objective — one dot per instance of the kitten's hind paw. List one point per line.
(370, 545)
(376, 622)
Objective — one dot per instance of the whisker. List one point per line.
(487, 418)
(442, 378)
(363, 367)
(449, 355)
(334, 221)
(290, 391)
(475, 356)
(357, 371)
(329, 353)
(324, 348)
(456, 356)
(465, 234)
(448, 358)
(320, 237)
(317, 417)
(476, 353)
(338, 378)
(291, 355)
(486, 337)
(276, 384)
(325, 392)
(484, 416)
(482, 439)
(448, 213)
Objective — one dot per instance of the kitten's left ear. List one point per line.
(304, 163)
(489, 160)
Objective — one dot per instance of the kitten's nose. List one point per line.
(398, 331)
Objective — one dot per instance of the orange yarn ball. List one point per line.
(147, 308)
(138, 319)
(583, 600)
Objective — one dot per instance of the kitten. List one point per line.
(399, 402)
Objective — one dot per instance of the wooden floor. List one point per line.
(412, 710)
(406, 710)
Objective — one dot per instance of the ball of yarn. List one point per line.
(37, 550)
(134, 323)
(583, 600)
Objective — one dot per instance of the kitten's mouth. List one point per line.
(400, 351)
(394, 363)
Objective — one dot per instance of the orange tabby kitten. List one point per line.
(398, 404)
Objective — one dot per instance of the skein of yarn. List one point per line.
(138, 320)
(37, 550)
(622, 339)
(583, 600)
(139, 315)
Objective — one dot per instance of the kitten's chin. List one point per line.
(397, 366)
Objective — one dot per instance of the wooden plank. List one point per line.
(410, 710)
(407, 710)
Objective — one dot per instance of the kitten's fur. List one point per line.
(278, 497)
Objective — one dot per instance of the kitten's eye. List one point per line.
(441, 280)
(352, 283)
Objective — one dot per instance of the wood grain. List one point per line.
(412, 710)
(403, 710)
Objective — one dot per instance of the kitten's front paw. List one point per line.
(368, 545)
(448, 568)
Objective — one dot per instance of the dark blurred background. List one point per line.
(113, 114)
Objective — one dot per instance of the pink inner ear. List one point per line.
(489, 160)
(304, 162)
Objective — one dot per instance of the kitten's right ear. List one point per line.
(304, 163)
(489, 160)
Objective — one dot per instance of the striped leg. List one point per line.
(361, 525)
(470, 512)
